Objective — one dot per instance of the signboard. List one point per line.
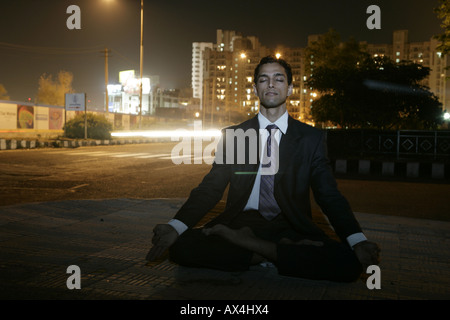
(125, 76)
(75, 101)
(8, 116)
(25, 117)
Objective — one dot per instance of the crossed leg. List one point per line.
(245, 238)
(236, 248)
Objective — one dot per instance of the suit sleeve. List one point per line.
(208, 193)
(333, 204)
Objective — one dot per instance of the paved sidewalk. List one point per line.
(109, 239)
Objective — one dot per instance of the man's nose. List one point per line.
(271, 83)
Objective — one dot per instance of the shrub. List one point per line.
(98, 127)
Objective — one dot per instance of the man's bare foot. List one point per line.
(302, 242)
(245, 238)
(235, 236)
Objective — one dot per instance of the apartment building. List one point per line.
(197, 67)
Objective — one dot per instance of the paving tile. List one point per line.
(109, 239)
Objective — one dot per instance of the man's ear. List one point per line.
(290, 89)
(255, 91)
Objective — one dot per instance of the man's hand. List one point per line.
(164, 236)
(368, 253)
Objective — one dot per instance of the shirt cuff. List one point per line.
(356, 238)
(179, 226)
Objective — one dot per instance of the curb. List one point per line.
(435, 170)
(14, 144)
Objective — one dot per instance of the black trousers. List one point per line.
(332, 261)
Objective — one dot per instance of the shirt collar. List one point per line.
(281, 123)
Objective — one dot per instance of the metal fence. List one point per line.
(420, 145)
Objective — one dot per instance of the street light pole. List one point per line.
(106, 83)
(141, 62)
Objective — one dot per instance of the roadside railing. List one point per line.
(395, 145)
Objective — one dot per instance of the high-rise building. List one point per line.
(197, 67)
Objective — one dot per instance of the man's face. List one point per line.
(272, 86)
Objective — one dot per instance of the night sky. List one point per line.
(170, 27)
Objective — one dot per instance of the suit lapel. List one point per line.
(249, 169)
(288, 145)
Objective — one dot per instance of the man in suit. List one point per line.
(268, 214)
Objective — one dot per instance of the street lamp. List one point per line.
(141, 65)
(141, 62)
(446, 117)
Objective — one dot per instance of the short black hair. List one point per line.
(273, 59)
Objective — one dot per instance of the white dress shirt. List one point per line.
(253, 201)
(282, 124)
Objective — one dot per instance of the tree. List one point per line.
(53, 92)
(98, 127)
(375, 93)
(330, 51)
(3, 93)
(443, 13)
(340, 58)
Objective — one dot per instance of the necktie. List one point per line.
(268, 206)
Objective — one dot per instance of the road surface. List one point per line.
(147, 171)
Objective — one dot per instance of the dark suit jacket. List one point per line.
(303, 165)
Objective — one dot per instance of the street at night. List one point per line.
(146, 171)
(129, 171)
